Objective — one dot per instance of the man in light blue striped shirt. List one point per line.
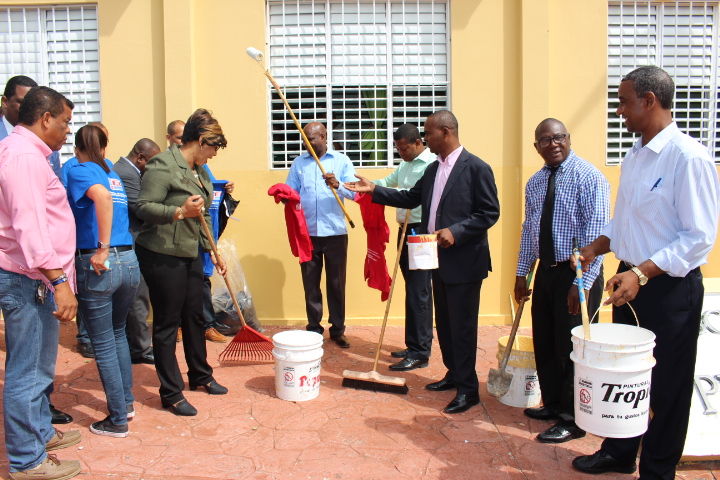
(418, 288)
(326, 225)
(579, 207)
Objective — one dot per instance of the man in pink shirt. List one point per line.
(459, 204)
(37, 246)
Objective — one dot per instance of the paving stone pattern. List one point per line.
(343, 434)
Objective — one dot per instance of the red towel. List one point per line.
(378, 235)
(300, 242)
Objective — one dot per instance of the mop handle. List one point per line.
(217, 255)
(581, 288)
(307, 142)
(516, 322)
(392, 287)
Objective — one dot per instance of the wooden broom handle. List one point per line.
(225, 277)
(307, 142)
(392, 287)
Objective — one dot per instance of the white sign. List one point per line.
(703, 438)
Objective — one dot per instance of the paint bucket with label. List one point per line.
(524, 389)
(612, 379)
(422, 252)
(297, 354)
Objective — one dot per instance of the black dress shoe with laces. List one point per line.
(407, 364)
(399, 353)
(148, 359)
(58, 417)
(462, 403)
(601, 462)
(341, 341)
(561, 432)
(440, 386)
(541, 413)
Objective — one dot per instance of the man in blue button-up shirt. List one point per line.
(326, 225)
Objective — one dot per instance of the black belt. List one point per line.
(87, 251)
(557, 264)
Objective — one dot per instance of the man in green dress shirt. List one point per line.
(418, 297)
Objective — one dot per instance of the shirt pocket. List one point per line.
(650, 200)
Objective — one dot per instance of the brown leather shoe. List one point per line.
(215, 336)
(179, 335)
(63, 440)
(50, 469)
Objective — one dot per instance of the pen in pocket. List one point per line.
(656, 184)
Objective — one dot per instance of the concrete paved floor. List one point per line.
(343, 434)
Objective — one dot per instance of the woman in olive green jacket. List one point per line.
(175, 188)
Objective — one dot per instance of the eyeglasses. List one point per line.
(545, 142)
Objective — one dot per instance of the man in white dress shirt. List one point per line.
(664, 226)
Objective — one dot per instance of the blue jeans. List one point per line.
(31, 339)
(104, 301)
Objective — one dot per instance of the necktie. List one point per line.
(547, 246)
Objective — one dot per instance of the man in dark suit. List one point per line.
(130, 169)
(459, 204)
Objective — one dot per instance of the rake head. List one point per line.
(248, 346)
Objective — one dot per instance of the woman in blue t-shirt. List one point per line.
(107, 272)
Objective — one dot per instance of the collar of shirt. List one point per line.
(451, 158)
(133, 165)
(32, 138)
(659, 141)
(426, 156)
(8, 127)
(566, 164)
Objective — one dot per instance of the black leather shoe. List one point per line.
(86, 349)
(561, 433)
(58, 417)
(212, 387)
(462, 403)
(182, 408)
(601, 462)
(541, 413)
(148, 358)
(407, 364)
(440, 386)
(341, 341)
(399, 353)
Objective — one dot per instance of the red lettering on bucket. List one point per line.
(309, 382)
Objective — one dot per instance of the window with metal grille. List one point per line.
(58, 47)
(361, 67)
(680, 37)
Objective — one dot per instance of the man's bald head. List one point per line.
(317, 136)
(445, 119)
(175, 132)
(142, 152)
(549, 122)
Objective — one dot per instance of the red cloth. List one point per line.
(378, 235)
(300, 242)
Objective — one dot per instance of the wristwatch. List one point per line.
(180, 214)
(102, 245)
(642, 279)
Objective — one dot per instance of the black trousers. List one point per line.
(456, 318)
(137, 328)
(208, 310)
(331, 252)
(176, 295)
(551, 324)
(671, 308)
(418, 305)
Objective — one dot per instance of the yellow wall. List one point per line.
(513, 63)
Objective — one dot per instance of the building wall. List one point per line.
(513, 63)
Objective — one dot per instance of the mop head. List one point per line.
(374, 382)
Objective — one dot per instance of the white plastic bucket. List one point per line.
(612, 379)
(297, 354)
(524, 389)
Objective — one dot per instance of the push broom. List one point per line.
(373, 380)
(248, 345)
(258, 56)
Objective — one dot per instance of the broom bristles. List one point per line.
(248, 346)
(374, 382)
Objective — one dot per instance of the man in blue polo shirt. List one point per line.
(326, 225)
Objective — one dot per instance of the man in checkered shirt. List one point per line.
(568, 197)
